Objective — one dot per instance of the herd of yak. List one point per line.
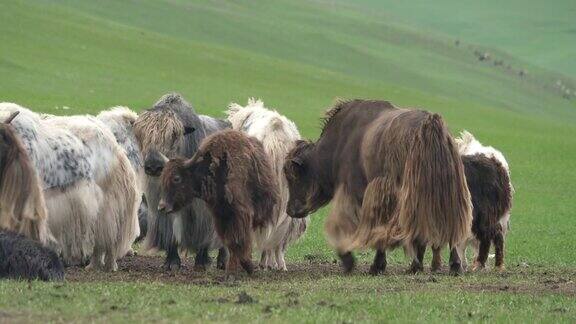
(80, 190)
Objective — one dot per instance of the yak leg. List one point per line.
(242, 255)
(272, 262)
(110, 261)
(222, 258)
(499, 247)
(462, 253)
(280, 259)
(96, 259)
(233, 263)
(455, 262)
(480, 261)
(246, 263)
(379, 264)
(436, 259)
(348, 262)
(264, 259)
(341, 225)
(418, 260)
(202, 259)
(172, 261)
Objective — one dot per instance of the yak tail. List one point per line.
(435, 205)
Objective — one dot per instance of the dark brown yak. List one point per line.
(394, 177)
(232, 174)
(491, 189)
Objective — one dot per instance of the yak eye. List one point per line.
(189, 130)
(177, 179)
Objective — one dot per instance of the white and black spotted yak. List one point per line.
(76, 178)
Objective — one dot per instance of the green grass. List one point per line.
(299, 56)
(541, 32)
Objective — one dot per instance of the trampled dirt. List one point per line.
(515, 279)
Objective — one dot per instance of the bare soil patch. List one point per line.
(148, 269)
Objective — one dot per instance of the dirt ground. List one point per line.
(515, 279)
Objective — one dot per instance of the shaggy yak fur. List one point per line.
(171, 128)
(24, 258)
(120, 120)
(86, 181)
(232, 173)
(394, 176)
(488, 178)
(278, 135)
(22, 206)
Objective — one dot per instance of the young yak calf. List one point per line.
(24, 258)
(488, 178)
(232, 174)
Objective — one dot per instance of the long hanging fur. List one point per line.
(394, 176)
(88, 185)
(120, 120)
(278, 136)
(435, 205)
(22, 206)
(172, 127)
(233, 175)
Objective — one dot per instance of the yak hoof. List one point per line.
(477, 266)
(375, 270)
(456, 269)
(171, 265)
(348, 262)
(500, 268)
(436, 268)
(111, 267)
(200, 267)
(415, 267)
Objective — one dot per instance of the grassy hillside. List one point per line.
(540, 32)
(71, 57)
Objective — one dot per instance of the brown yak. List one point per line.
(394, 177)
(232, 174)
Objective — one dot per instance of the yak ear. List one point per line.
(297, 162)
(11, 117)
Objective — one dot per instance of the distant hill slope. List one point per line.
(540, 32)
(341, 39)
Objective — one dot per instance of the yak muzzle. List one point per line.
(165, 207)
(154, 163)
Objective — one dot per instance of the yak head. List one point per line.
(306, 193)
(170, 127)
(182, 181)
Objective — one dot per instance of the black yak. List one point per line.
(24, 258)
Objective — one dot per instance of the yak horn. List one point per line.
(11, 117)
(163, 157)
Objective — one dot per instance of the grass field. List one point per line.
(76, 57)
